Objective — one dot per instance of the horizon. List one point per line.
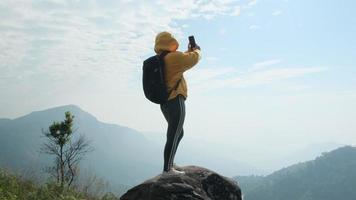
(275, 76)
(305, 154)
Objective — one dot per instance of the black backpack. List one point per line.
(153, 80)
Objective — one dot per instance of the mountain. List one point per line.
(330, 176)
(122, 155)
(306, 153)
(4, 120)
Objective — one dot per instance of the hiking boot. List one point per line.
(174, 171)
(177, 167)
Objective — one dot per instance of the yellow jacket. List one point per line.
(176, 62)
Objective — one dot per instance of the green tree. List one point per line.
(67, 153)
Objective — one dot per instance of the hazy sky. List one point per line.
(275, 75)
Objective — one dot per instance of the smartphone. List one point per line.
(192, 41)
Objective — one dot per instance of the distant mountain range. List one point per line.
(122, 156)
(309, 152)
(330, 176)
(125, 157)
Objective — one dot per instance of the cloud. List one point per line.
(277, 12)
(254, 27)
(65, 41)
(266, 63)
(251, 14)
(252, 2)
(222, 31)
(185, 26)
(200, 75)
(204, 80)
(237, 11)
(271, 75)
(212, 58)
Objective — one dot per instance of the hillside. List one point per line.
(13, 187)
(122, 156)
(116, 157)
(330, 176)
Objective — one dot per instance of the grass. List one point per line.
(14, 187)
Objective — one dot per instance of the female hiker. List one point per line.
(176, 63)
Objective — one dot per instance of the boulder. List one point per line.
(196, 184)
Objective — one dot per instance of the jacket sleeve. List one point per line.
(188, 59)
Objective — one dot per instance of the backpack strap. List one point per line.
(163, 54)
(175, 88)
(160, 58)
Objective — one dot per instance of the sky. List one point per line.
(275, 75)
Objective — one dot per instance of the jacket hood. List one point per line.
(165, 42)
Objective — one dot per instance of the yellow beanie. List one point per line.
(165, 42)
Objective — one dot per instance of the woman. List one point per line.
(176, 63)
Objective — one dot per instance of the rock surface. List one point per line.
(196, 184)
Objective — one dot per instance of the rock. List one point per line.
(196, 184)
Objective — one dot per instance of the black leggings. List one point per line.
(174, 113)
